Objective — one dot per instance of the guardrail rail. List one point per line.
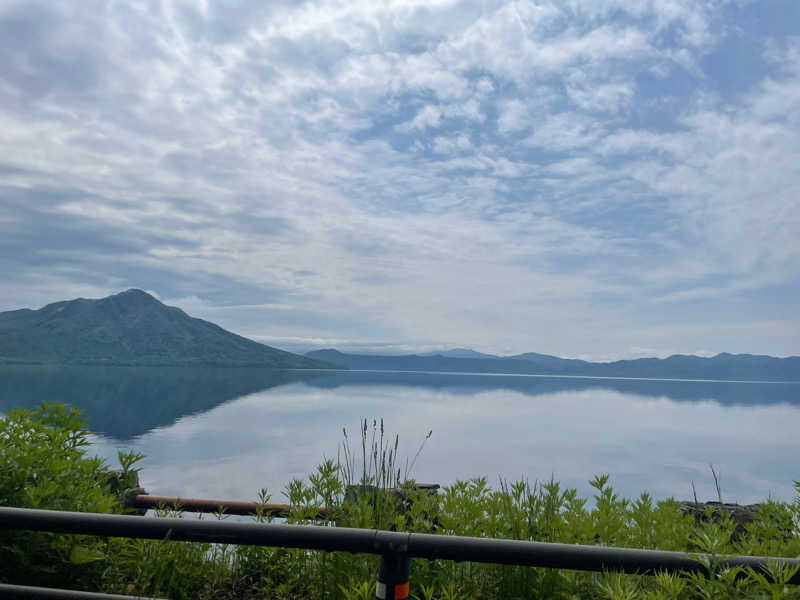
(395, 548)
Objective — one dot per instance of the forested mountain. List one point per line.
(130, 328)
(722, 366)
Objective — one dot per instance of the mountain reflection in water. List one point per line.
(125, 402)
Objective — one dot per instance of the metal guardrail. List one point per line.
(395, 548)
(26, 591)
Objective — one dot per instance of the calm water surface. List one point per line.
(226, 433)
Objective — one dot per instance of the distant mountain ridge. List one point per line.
(130, 328)
(460, 353)
(722, 366)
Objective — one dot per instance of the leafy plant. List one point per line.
(43, 464)
(361, 590)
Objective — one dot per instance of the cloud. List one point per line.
(444, 145)
(513, 116)
(562, 177)
(565, 131)
(429, 116)
(601, 96)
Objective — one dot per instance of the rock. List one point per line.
(127, 487)
(742, 514)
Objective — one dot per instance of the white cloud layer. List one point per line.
(579, 178)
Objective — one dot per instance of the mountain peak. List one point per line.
(132, 302)
(134, 294)
(130, 328)
(459, 353)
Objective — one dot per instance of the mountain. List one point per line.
(460, 353)
(130, 328)
(722, 366)
(415, 362)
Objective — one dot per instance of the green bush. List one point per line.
(43, 464)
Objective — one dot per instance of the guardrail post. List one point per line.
(393, 575)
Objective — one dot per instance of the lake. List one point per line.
(226, 433)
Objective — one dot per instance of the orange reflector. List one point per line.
(401, 591)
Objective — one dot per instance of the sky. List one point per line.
(599, 179)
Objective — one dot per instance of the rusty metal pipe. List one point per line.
(229, 507)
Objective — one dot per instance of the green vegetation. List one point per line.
(130, 328)
(43, 464)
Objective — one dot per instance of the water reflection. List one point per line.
(124, 402)
(228, 432)
(723, 392)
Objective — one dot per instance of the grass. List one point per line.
(369, 486)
